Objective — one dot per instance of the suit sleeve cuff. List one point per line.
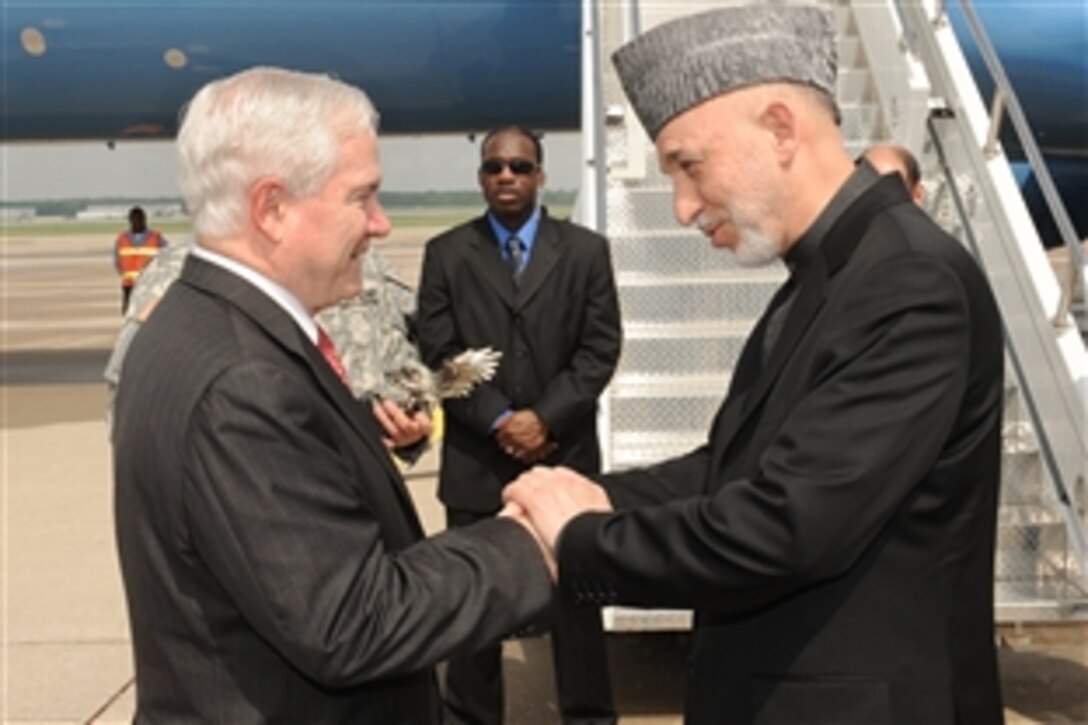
(584, 579)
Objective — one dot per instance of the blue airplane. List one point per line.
(1044, 49)
(122, 69)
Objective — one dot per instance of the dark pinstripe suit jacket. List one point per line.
(273, 563)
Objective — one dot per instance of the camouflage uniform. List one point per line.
(371, 331)
(152, 283)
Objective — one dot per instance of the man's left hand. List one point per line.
(401, 427)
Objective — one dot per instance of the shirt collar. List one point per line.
(527, 232)
(278, 294)
(801, 254)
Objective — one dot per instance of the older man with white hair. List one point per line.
(273, 562)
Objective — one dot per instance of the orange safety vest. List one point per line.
(132, 258)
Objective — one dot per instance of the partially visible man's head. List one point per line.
(894, 159)
(280, 171)
(511, 173)
(137, 221)
(740, 104)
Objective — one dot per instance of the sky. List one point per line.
(147, 169)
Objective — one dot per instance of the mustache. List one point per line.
(706, 221)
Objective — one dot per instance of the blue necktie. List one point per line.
(515, 255)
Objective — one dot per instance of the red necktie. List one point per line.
(324, 344)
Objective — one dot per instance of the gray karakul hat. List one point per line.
(679, 64)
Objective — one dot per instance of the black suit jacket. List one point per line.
(835, 535)
(559, 333)
(274, 566)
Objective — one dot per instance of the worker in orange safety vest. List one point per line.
(135, 248)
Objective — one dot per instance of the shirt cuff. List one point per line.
(498, 420)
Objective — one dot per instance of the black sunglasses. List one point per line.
(521, 167)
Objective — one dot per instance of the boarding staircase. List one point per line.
(687, 308)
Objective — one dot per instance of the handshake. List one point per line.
(544, 500)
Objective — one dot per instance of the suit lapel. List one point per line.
(747, 369)
(541, 262)
(835, 250)
(809, 300)
(356, 411)
(488, 263)
(281, 327)
(494, 271)
(744, 398)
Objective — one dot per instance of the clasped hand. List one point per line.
(524, 436)
(544, 500)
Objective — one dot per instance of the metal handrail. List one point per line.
(1049, 373)
(1004, 90)
(593, 210)
(1046, 449)
(632, 26)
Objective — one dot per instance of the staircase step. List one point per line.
(677, 251)
(707, 355)
(717, 329)
(633, 619)
(695, 277)
(674, 413)
(1032, 562)
(658, 385)
(667, 302)
(643, 448)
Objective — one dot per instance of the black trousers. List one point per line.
(474, 687)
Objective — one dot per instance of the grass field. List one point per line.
(438, 217)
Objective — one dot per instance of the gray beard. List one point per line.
(755, 249)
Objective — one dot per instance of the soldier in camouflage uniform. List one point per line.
(371, 331)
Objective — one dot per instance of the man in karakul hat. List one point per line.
(835, 534)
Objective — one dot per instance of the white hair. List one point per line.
(262, 122)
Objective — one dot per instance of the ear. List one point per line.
(268, 208)
(779, 119)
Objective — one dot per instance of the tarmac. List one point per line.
(66, 655)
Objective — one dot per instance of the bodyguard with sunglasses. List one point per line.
(542, 291)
